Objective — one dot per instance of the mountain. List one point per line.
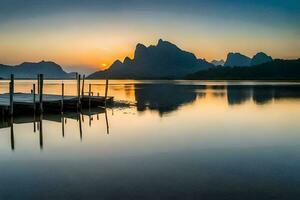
(260, 58)
(165, 60)
(237, 59)
(273, 70)
(31, 69)
(218, 62)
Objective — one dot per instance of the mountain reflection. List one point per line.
(163, 97)
(166, 98)
(261, 94)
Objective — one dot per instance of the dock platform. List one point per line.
(51, 102)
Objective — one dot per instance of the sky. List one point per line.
(81, 35)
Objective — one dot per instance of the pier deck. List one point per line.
(50, 101)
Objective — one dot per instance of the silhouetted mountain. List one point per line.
(274, 70)
(237, 59)
(218, 62)
(260, 58)
(165, 60)
(30, 70)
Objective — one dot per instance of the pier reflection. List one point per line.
(60, 119)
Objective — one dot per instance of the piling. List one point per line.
(78, 91)
(38, 83)
(106, 90)
(11, 94)
(90, 88)
(41, 78)
(62, 97)
(33, 99)
(82, 89)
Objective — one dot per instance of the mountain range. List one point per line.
(238, 59)
(30, 70)
(164, 60)
(218, 62)
(277, 69)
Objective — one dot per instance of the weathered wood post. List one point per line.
(11, 94)
(33, 92)
(90, 88)
(38, 83)
(62, 96)
(106, 90)
(78, 91)
(82, 89)
(41, 92)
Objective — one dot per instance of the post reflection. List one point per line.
(80, 126)
(41, 131)
(12, 138)
(38, 123)
(106, 120)
(62, 125)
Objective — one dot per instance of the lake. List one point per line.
(161, 140)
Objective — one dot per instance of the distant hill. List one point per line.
(273, 70)
(238, 59)
(260, 58)
(218, 62)
(165, 60)
(31, 69)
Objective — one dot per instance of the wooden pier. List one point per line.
(13, 103)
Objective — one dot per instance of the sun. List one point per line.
(103, 66)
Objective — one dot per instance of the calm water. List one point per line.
(176, 140)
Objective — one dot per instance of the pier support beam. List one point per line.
(90, 88)
(33, 93)
(62, 97)
(11, 95)
(106, 90)
(78, 91)
(41, 80)
(82, 89)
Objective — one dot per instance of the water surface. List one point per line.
(162, 140)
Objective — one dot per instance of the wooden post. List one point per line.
(62, 96)
(90, 87)
(78, 91)
(41, 92)
(38, 83)
(106, 90)
(33, 92)
(11, 94)
(82, 91)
